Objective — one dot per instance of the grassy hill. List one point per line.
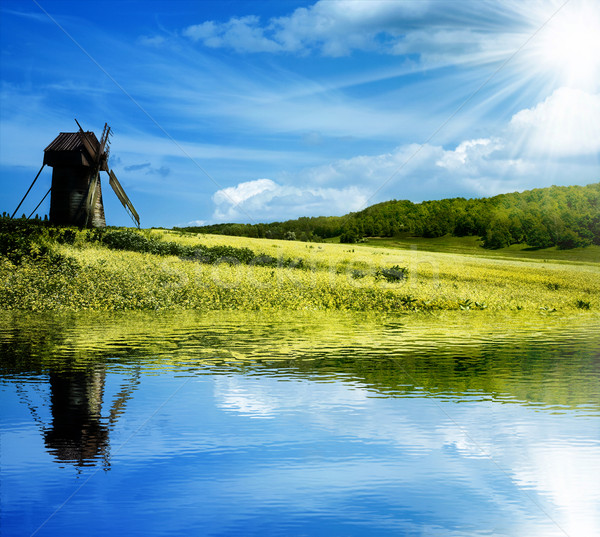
(474, 246)
(44, 268)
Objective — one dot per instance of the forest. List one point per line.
(562, 216)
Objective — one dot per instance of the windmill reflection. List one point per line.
(79, 433)
(76, 415)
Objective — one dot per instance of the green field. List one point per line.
(473, 246)
(150, 273)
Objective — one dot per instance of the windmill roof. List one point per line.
(70, 141)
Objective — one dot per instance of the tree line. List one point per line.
(563, 216)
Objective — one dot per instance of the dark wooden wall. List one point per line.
(68, 196)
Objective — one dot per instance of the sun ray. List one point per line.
(567, 46)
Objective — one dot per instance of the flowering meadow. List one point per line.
(90, 272)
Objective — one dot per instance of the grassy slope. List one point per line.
(472, 246)
(103, 279)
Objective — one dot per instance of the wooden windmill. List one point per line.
(77, 158)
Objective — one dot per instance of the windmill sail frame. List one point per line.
(116, 186)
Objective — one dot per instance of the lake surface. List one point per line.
(297, 424)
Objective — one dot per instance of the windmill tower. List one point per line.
(77, 158)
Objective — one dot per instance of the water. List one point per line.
(300, 424)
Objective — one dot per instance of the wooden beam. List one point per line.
(95, 155)
(38, 205)
(91, 199)
(89, 147)
(30, 187)
(116, 186)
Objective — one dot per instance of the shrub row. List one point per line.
(135, 242)
(21, 238)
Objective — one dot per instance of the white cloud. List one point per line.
(242, 34)
(337, 27)
(373, 170)
(567, 123)
(244, 191)
(420, 172)
(460, 45)
(467, 153)
(263, 199)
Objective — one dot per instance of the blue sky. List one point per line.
(255, 111)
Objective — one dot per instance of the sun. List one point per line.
(568, 46)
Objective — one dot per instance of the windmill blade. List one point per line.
(89, 146)
(95, 150)
(92, 197)
(116, 186)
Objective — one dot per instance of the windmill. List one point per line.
(77, 158)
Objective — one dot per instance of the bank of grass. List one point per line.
(474, 246)
(84, 275)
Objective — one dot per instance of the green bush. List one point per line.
(392, 274)
(132, 241)
(62, 235)
(583, 304)
(569, 239)
(21, 238)
(349, 237)
(497, 237)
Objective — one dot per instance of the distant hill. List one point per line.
(563, 216)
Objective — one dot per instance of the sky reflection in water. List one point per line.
(226, 424)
